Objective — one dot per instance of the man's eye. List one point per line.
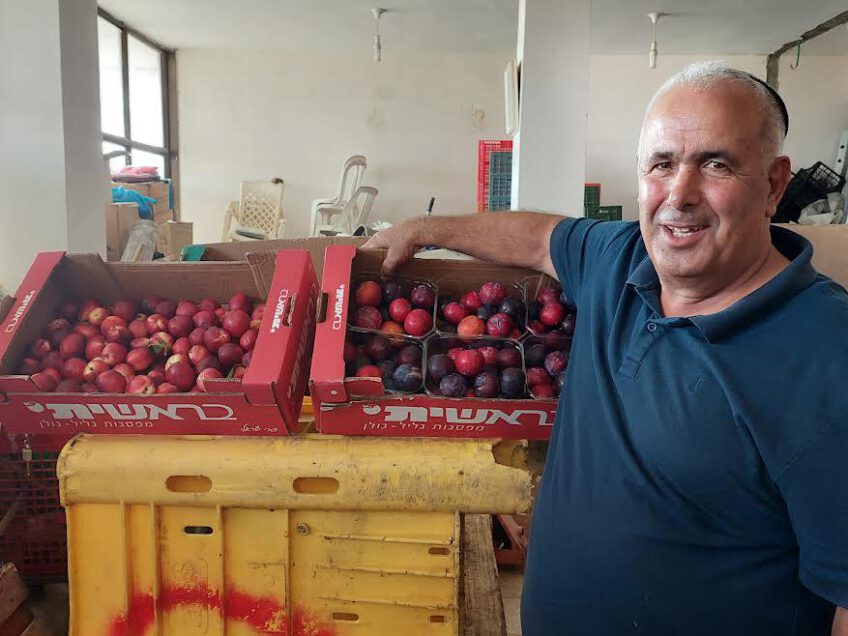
(662, 165)
(716, 165)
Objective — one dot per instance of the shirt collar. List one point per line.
(796, 277)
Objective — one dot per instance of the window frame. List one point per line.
(166, 59)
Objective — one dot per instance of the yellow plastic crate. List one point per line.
(302, 536)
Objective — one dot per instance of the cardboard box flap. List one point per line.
(328, 371)
(277, 372)
(32, 293)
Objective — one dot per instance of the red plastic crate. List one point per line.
(36, 539)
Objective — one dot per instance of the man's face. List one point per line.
(705, 190)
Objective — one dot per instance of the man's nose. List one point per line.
(685, 189)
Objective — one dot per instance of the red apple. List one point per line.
(246, 358)
(176, 359)
(113, 353)
(58, 324)
(198, 353)
(205, 318)
(258, 312)
(69, 385)
(30, 366)
(156, 323)
(140, 359)
(208, 363)
(196, 336)
(214, 337)
(236, 322)
(157, 376)
(97, 315)
(207, 374)
(142, 385)
(86, 308)
(489, 354)
(95, 367)
(44, 382)
(111, 321)
(125, 370)
(241, 301)
(137, 343)
(547, 295)
(537, 375)
(138, 328)
(167, 387)
(180, 326)
(58, 335)
(230, 354)
(367, 318)
(161, 343)
(88, 387)
(543, 391)
(52, 360)
(73, 368)
(125, 309)
(181, 345)
(53, 373)
(219, 313)
(110, 382)
(167, 308)
(187, 308)
(248, 339)
(181, 375)
(208, 304)
(39, 348)
(492, 293)
(453, 352)
(86, 330)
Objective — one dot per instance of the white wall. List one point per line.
(549, 154)
(816, 94)
(51, 179)
(620, 87)
(261, 114)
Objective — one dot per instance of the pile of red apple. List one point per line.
(395, 360)
(389, 308)
(482, 369)
(551, 312)
(156, 346)
(546, 359)
(488, 311)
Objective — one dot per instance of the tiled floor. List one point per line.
(512, 579)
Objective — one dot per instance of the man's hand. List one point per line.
(519, 239)
(401, 241)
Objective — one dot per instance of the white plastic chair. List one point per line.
(354, 214)
(258, 214)
(323, 210)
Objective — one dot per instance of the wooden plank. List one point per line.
(37, 628)
(17, 622)
(13, 592)
(481, 604)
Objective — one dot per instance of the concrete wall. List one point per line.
(816, 95)
(260, 114)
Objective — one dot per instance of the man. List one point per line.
(694, 483)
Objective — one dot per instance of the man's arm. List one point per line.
(520, 239)
(840, 622)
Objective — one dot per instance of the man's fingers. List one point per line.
(393, 259)
(375, 242)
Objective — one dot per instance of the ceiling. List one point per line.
(693, 27)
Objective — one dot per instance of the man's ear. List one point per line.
(779, 176)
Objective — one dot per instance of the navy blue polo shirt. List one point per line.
(697, 477)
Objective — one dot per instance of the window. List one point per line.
(133, 97)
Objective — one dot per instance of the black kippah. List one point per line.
(778, 100)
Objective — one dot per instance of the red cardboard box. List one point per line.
(373, 411)
(265, 402)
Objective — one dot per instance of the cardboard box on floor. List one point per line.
(120, 217)
(172, 237)
(159, 190)
(830, 248)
